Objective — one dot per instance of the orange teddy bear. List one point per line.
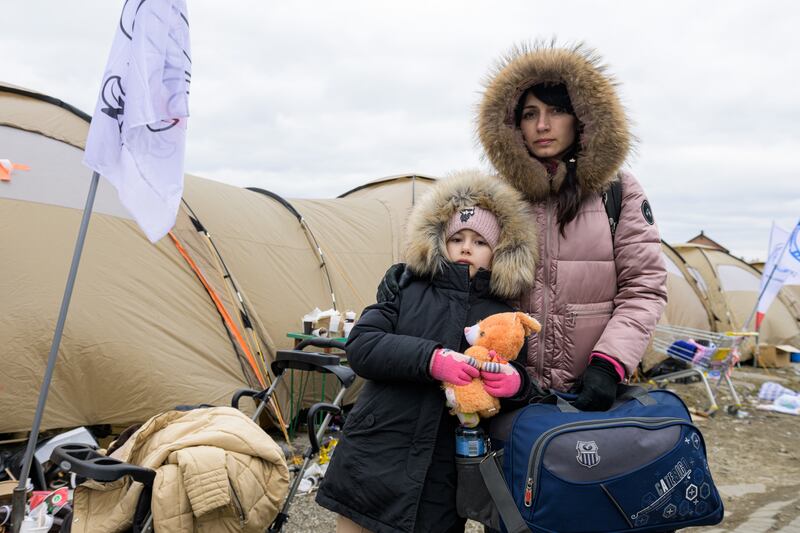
(494, 341)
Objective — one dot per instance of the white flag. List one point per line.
(138, 131)
(782, 267)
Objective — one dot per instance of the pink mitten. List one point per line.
(503, 383)
(453, 367)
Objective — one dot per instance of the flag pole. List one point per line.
(746, 326)
(760, 294)
(18, 499)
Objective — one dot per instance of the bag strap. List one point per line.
(634, 392)
(562, 404)
(624, 392)
(501, 496)
(612, 200)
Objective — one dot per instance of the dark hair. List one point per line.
(554, 94)
(569, 194)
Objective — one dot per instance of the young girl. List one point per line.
(470, 248)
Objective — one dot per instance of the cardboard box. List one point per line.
(323, 322)
(772, 356)
(6, 490)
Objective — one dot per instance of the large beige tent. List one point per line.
(731, 287)
(686, 305)
(153, 326)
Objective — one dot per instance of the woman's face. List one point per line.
(548, 131)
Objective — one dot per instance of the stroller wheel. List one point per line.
(732, 409)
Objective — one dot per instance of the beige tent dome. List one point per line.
(398, 194)
(732, 287)
(144, 332)
(686, 304)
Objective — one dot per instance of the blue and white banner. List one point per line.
(138, 131)
(782, 267)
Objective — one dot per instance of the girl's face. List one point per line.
(470, 248)
(548, 131)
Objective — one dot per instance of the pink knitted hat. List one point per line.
(478, 220)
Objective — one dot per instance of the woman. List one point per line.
(553, 127)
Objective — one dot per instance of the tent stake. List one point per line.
(18, 499)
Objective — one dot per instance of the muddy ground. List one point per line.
(754, 457)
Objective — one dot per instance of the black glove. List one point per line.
(599, 386)
(396, 278)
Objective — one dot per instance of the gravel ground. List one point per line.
(754, 449)
(305, 516)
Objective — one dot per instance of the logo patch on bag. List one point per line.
(647, 212)
(587, 453)
(467, 213)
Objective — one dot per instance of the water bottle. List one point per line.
(470, 442)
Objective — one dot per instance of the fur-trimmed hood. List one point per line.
(514, 260)
(605, 139)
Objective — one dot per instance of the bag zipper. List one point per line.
(539, 444)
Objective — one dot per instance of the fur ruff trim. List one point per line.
(514, 260)
(605, 140)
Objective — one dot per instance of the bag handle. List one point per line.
(624, 392)
(564, 406)
(634, 392)
(561, 400)
(501, 496)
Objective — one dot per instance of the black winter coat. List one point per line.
(394, 469)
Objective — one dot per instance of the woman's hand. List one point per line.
(396, 278)
(453, 367)
(504, 382)
(599, 386)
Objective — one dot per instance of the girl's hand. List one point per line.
(504, 383)
(453, 367)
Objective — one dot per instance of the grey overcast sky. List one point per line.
(310, 99)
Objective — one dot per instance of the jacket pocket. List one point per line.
(367, 400)
(236, 504)
(583, 326)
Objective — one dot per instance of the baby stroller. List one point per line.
(87, 463)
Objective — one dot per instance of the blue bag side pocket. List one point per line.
(675, 491)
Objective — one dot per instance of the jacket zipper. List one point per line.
(545, 290)
(538, 446)
(237, 506)
(575, 314)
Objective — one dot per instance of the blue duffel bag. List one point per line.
(641, 466)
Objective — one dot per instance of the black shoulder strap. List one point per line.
(612, 200)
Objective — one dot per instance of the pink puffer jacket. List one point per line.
(591, 293)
